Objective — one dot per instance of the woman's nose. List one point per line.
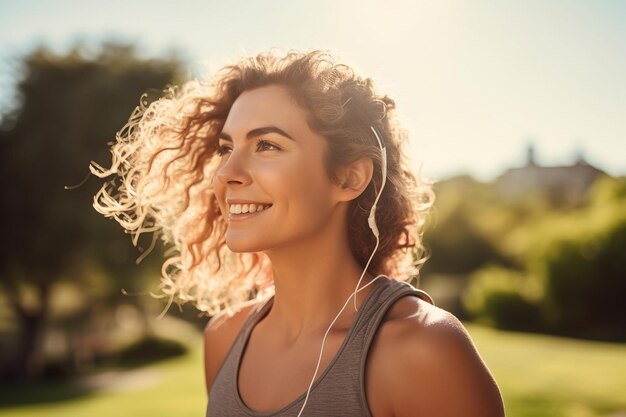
(234, 170)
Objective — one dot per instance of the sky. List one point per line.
(474, 81)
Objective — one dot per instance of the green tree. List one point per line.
(582, 263)
(572, 275)
(68, 106)
(456, 234)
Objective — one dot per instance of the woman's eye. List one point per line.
(265, 145)
(222, 149)
(261, 145)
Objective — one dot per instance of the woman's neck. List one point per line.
(312, 280)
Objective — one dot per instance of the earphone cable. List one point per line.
(372, 224)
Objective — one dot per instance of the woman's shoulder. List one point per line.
(428, 357)
(414, 327)
(219, 335)
(412, 323)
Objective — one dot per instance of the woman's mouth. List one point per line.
(245, 211)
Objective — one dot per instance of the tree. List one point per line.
(69, 106)
(583, 265)
(573, 276)
(456, 236)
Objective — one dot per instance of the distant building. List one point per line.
(563, 185)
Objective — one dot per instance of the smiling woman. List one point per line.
(282, 186)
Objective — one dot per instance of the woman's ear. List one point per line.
(354, 178)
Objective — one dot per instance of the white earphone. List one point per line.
(371, 221)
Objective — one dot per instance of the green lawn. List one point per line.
(538, 376)
(551, 376)
(173, 387)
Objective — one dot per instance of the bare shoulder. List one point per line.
(219, 335)
(429, 359)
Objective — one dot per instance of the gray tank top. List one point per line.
(340, 389)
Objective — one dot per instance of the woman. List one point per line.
(283, 189)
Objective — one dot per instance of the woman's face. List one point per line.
(270, 156)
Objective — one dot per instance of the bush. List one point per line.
(586, 283)
(149, 349)
(579, 256)
(505, 299)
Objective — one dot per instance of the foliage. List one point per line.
(468, 230)
(572, 264)
(148, 349)
(68, 106)
(504, 298)
(455, 236)
(583, 265)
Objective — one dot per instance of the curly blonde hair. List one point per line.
(165, 160)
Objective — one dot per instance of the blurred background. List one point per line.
(516, 112)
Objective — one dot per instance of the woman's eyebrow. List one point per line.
(256, 132)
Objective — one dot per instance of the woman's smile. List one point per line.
(245, 211)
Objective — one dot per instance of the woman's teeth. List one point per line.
(247, 208)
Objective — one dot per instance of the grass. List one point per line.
(173, 387)
(543, 375)
(539, 376)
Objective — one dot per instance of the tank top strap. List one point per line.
(393, 290)
(388, 292)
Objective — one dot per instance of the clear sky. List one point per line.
(474, 80)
